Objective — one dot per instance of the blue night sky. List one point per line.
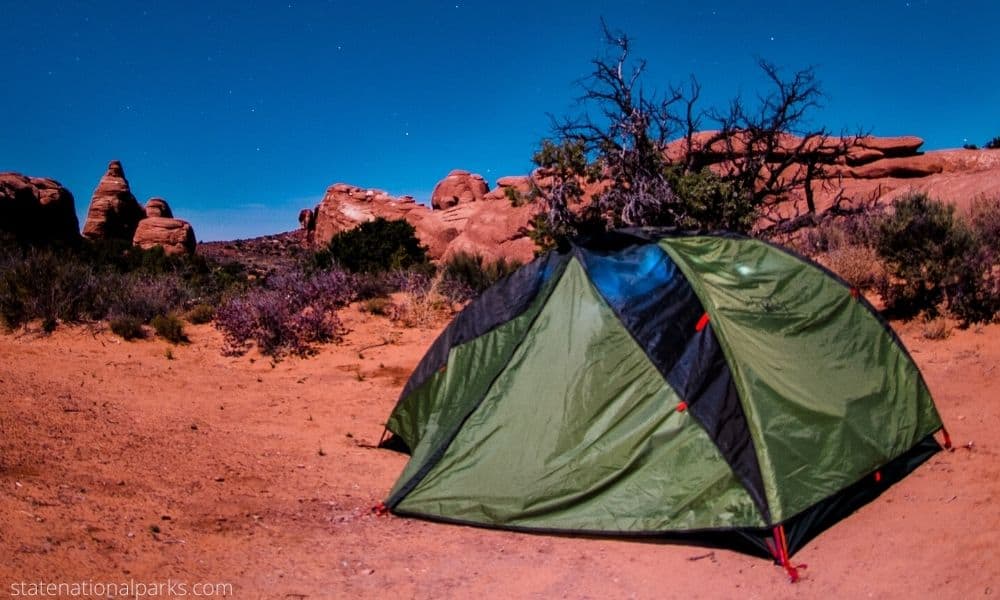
(241, 113)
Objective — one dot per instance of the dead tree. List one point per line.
(766, 150)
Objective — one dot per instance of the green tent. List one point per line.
(711, 388)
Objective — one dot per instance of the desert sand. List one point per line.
(143, 461)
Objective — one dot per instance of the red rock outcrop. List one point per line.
(954, 176)
(488, 224)
(492, 229)
(903, 167)
(867, 157)
(158, 207)
(489, 228)
(345, 206)
(517, 186)
(457, 188)
(114, 212)
(37, 210)
(906, 145)
(174, 235)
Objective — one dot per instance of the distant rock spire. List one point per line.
(114, 212)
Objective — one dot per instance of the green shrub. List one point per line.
(925, 249)
(706, 201)
(993, 144)
(373, 247)
(169, 327)
(200, 313)
(515, 197)
(128, 328)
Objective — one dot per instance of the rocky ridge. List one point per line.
(465, 215)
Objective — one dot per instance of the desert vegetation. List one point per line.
(380, 264)
(287, 310)
(920, 256)
(105, 281)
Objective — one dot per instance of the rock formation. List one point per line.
(174, 235)
(954, 176)
(458, 187)
(467, 219)
(492, 229)
(158, 207)
(37, 210)
(867, 157)
(114, 212)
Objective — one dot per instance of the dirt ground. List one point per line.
(138, 461)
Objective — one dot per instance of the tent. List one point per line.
(705, 387)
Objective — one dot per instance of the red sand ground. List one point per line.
(101, 440)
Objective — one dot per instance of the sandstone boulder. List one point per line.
(902, 168)
(174, 235)
(158, 207)
(906, 145)
(859, 155)
(37, 210)
(493, 230)
(114, 212)
(457, 188)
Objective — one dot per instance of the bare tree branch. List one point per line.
(738, 177)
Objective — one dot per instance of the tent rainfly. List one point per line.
(708, 388)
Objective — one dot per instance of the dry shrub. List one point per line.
(936, 329)
(859, 229)
(859, 266)
(423, 307)
(200, 314)
(381, 306)
(984, 217)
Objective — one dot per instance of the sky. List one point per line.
(241, 113)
